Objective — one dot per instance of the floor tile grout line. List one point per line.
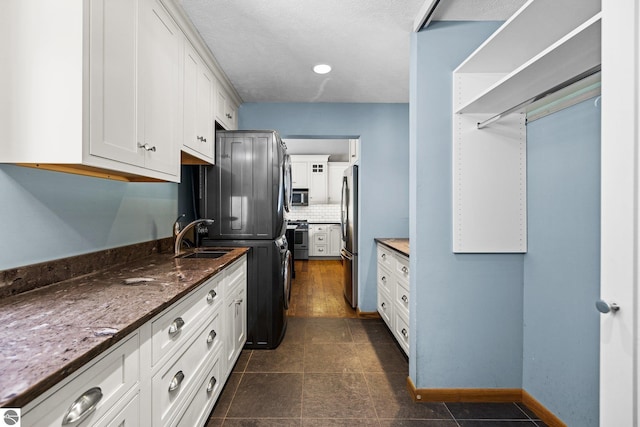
(451, 413)
(523, 411)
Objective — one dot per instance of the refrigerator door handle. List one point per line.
(343, 209)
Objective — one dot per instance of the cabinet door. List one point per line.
(334, 181)
(335, 240)
(318, 187)
(197, 104)
(158, 83)
(113, 81)
(299, 171)
(236, 312)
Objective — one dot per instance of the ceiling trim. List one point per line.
(425, 15)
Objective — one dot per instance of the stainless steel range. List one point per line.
(301, 239)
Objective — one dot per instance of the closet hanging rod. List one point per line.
(590, 72)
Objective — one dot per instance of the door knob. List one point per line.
(604, 307)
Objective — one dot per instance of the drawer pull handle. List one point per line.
(82, 407)
(383, 256)
(212, 384)
(176, 327)
(383, 305)
(211, 337)
(405, 299)
(405, 270)
(384, 279)
(176, 381)
(211, 296)
(404, 333)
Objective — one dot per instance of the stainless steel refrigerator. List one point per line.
(349, 225)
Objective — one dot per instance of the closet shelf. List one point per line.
(575, 53)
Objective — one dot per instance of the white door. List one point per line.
(619, 220)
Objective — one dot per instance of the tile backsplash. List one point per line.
(319, 213)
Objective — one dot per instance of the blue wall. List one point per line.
(50, 215)
(466, 310)
(383, 130)
(562, 266)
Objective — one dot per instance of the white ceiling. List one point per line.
(267, 48)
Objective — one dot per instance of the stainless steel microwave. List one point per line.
(300, 197)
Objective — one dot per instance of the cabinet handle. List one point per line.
(383, 256)
(212, 384)
(201, 138)
(211, 296)
(320, 238)
(405, 270)
(176, 327)
(82, 407)
(238, 301)
(147, 147)
(405, 333)
(384, 279)
(229, 116)
(383, 305)
(405, 299)
(211, 337)
(176, 381)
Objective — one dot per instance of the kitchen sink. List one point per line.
(204, 253)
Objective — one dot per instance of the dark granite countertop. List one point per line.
(48, 333)
(400, 245)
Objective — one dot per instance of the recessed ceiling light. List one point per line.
(322, 68)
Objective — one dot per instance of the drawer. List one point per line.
(114, 373)
(173, 384)
(385, 308)
(321, 250)
(174, 328)
(211, 383)
(402, 297)
(126, 413)
(320, 238)
(385, 257)
(402, 332)
(385, 280)
(320, 228)
(402, 267)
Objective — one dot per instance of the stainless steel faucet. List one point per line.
(179, 234)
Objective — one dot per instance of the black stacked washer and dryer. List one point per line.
(247, 193)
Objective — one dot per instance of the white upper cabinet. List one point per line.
(198, 91)
(299, 171)
(311, 172)
(336, 174)
(106, 75)
(226, 109)
(108, 88)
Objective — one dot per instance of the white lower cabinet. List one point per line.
(169, 372)
(91, 393)
(393, 293)
(325, 240)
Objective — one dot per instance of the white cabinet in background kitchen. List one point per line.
(325, 240)
(354, 151)
(198, 92)
(315, 167)
(335, 240)
(299, 171)
(226, 110)
(107, 85)
(336, 174)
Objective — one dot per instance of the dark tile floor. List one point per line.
(342, 372)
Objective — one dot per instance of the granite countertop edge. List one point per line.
(24, 376)
(400, 245)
